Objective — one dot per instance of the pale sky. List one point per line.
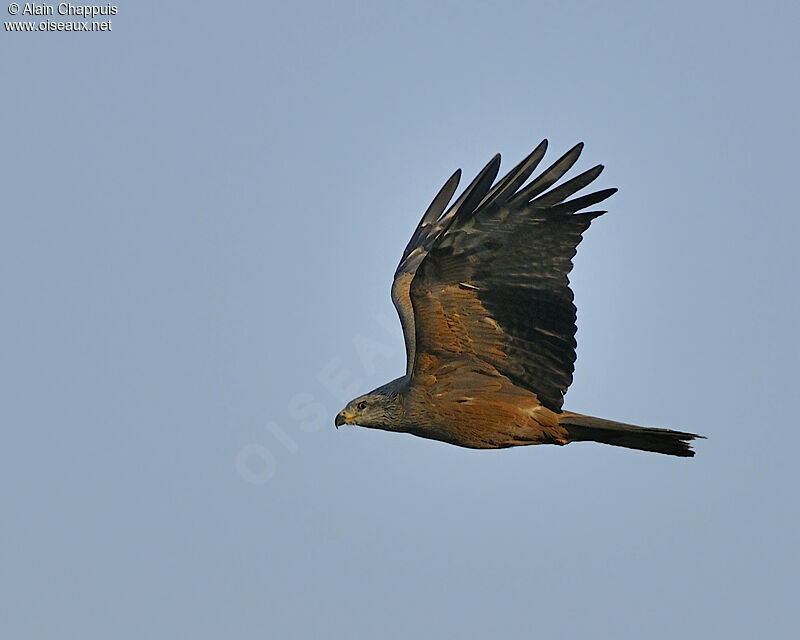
(203, 210)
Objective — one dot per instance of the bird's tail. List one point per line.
(582, 428)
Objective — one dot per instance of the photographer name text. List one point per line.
(63, 9)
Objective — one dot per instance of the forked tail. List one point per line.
(587, 428)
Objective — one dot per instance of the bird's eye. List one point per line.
(362, 405)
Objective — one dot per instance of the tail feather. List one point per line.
(582, 428)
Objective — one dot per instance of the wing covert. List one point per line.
(432, 224)
(493, 281)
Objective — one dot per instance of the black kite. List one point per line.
(488, 318)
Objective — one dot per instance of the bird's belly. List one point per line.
(494, 421)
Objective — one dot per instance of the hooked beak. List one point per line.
(344, 417)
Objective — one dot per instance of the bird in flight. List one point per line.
(488, 319)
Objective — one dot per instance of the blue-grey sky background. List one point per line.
(202, 212)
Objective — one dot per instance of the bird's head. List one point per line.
(375, 410)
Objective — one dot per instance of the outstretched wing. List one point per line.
(415, 251)
(490, 279)
(434, 222)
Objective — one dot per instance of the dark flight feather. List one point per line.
(559, 194)
(475, 192)
(433, 212)
(517, 255)
(551, 175)
(515, 178)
